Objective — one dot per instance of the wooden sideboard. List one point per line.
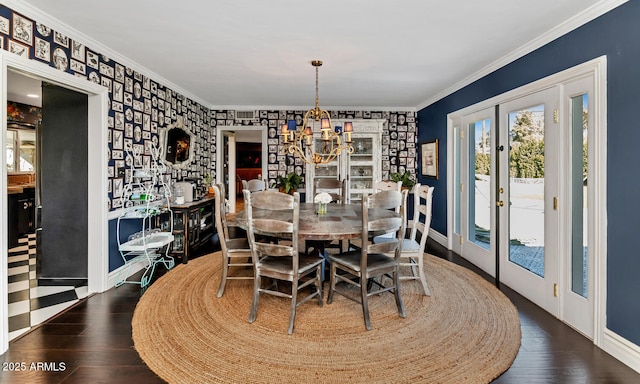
(193, 226)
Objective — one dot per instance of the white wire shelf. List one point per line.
(154, 240)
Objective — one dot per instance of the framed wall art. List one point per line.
(22, 29)
(4, 25)
(429, 158)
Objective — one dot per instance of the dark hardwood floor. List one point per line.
(91, 343)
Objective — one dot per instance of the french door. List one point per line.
(476, 236)
(521, 197)
(527, 195)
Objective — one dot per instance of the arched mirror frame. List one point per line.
(169, 143)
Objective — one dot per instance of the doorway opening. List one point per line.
(95, 184)
(47, 255)
(247, 143)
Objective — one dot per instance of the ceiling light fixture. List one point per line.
(298, 141)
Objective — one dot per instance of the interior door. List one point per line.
(527, 196)
(62, 228)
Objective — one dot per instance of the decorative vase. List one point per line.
(322, 208)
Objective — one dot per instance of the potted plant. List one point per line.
(288, 183)
(208, 183)
(408, 180)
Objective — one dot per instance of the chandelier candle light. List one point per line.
(296, 140)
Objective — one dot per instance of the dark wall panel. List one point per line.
(62, 251)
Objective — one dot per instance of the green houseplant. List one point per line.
(288, 183)
(408, 180)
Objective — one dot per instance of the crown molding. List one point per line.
(562, 29)
(305, 108)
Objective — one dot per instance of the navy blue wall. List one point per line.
(616, 35)
(128, 227)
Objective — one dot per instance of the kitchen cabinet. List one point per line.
(21, 205)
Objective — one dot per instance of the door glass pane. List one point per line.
(27, 150)
(362, 149)
(526, 188)
(579, 119)
(480, 179)
(9, 150)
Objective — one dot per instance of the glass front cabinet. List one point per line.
(361, 169)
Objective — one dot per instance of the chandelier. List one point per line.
(299, 141)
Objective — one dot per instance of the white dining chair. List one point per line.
(414, 246)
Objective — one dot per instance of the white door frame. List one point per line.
(220, 161)
(597, 195)
(98, 232)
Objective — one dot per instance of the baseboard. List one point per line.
(439, 238)
(113, 275)
(622, 349)
(72, 282)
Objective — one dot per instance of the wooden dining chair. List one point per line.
(279, 261)
(387, 185)
(335, 187)
(413, 247)
(236, 253)
(360, 267)
(254, 185)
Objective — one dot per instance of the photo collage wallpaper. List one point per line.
(139, 106)
(399, 151)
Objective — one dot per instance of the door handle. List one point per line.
(38, 217)
(499, 203)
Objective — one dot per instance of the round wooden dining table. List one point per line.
(341, 222)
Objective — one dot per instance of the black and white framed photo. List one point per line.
(4, 25)
(117, 188)
(93, 60)
(18, 49)
(118, 93)
(60, 39)
(60, 59)
(43, 30)
(78, 67)
(429, 158)
(22, 29)
(119, 73)
(77, 51)
(117, 139)
(94, 77)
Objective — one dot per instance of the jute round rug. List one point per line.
(466, 332)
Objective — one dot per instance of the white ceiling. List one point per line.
(377, 53)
